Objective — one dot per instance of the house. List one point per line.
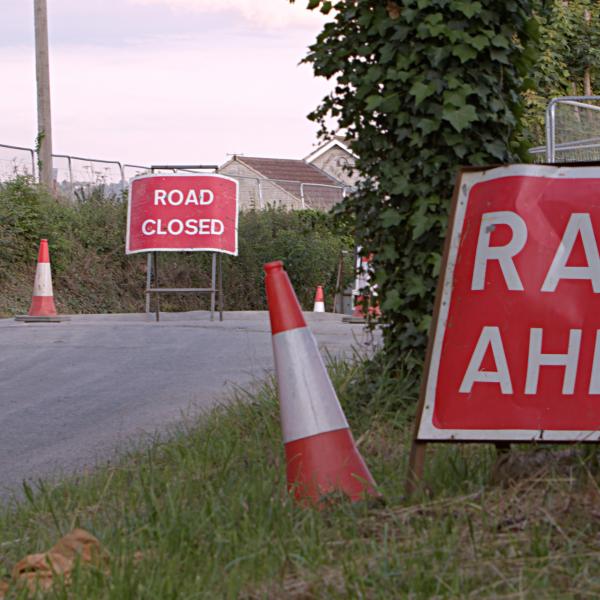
(336, 159)
(291, 183)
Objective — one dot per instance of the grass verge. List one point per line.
(204, 514)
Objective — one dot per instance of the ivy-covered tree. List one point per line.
(421, 87)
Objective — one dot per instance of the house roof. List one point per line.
(335, 141)
(288, 169)
(298, 178)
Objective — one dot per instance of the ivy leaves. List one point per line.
(459, 118)
(421, 91)
(421, 87)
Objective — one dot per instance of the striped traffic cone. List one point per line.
(42, 308)
(320, 452)
(319, 300)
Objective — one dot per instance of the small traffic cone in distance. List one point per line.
(357, 312)
(319, 300)
(42, 308)
(321, 455)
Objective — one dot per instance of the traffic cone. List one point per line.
(357, 312)
(319, 300)
(320, 452)
(42, 308)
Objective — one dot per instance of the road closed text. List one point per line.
(183, 212)
(179, 227)
(177, 197)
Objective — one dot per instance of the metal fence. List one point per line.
(259, 193)
(572, 130)
(76, 177)
(16, 160)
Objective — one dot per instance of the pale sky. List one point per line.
(165, 81)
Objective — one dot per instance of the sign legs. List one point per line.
(213, 291)
(416, 466)
(216, 286)
(220, 287)
(148, 281)
(157, 299)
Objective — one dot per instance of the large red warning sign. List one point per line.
(516, 345)
(183, 213)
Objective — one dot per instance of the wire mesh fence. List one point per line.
(260, 193)
(16, 160)
(572, 130)
(76, 178)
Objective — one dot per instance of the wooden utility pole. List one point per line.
(42, 71)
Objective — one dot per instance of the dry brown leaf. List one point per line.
(4, 587)
(39, 569)
(79, 542)
(36, 571)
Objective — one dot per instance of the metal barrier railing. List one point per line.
(29, 151)
(258, 194)
(581, 105)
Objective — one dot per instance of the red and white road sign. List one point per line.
(516, 346)
(183, 213)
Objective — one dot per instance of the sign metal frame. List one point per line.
(152, 280)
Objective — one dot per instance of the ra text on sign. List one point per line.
(182, 213)
(516, 342)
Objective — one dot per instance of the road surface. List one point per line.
(73, 392)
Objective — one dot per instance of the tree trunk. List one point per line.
(587, 83)
(587, 79)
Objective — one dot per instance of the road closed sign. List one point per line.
(183, 213)
(515, 349)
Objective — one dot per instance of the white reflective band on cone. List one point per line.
(42, 285)
(309, 404)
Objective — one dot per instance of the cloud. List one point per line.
(273, 14)
(173, 103)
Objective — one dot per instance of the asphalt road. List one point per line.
(72, 393)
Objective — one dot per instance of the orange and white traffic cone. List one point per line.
(319, 300)
(42, 302)
(320, 452)
(357, 312)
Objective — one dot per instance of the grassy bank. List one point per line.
(205, 514)
(91, 272)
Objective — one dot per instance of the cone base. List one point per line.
(327, 463)
(353, 320)
(42, 306)
(34, 319)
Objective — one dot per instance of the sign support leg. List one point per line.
(220, 287)
(148, 281)
(213, 286)
(416, 466)
(157, 298)
(502, 447)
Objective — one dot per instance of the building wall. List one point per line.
(333, 162)
(250, 196)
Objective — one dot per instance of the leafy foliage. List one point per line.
(421, 87)
(569, 45)
(91, 272)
